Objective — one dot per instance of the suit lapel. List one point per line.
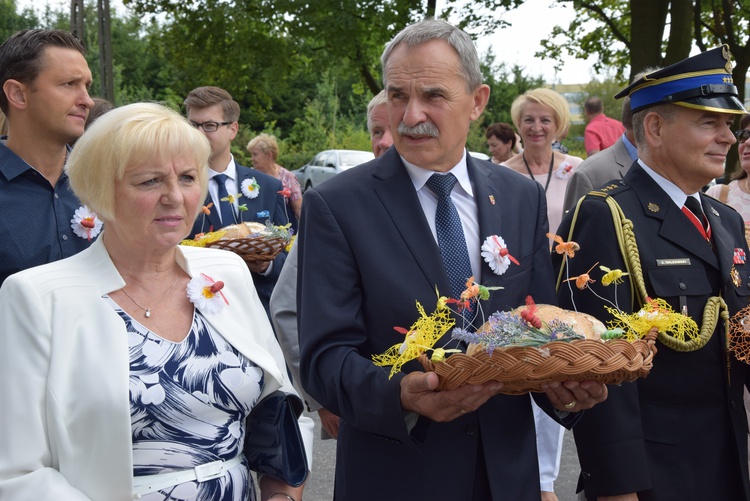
(395, 189)
(722, 240)
(622, 157)
(233, 326)
(493, 213)
(254, 205)
(206, 222)
(675, 226)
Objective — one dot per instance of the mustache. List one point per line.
(421, 129)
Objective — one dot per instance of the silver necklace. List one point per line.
(148, 310)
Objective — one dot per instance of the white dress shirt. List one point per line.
(462, 197)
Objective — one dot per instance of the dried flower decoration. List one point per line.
(656, 313)
(250, 188)
(564, 171)
(85, 224)
(205, 293)
(419, 338)
(520, 327)
(204, 239)
(495, 253)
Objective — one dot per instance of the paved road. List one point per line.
(319, 486)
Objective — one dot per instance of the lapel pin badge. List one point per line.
(714, 212)
(492, 199)
(653, 207)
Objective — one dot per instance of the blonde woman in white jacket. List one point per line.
(117, 370)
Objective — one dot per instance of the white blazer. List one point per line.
(65, 430)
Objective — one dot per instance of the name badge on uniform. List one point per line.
(680, 261)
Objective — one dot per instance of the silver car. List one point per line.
(327, 164)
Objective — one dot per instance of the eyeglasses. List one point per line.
(209, 126)
(742, 135)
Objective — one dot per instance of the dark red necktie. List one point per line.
(693, 211)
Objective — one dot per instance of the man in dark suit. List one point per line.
(680, 433)
(213, 111)
(368, 250)
(606, 165)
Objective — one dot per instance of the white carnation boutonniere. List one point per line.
(205, 293)
(250, 188)
(565, 170)
(495, 253)
(85, 224)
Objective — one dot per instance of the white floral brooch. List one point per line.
(564, 171)
(85, 224)
(250, 188)
(496, 254)
(205, 293)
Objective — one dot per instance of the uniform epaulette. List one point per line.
(609, 190)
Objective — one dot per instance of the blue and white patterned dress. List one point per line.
(188, 404)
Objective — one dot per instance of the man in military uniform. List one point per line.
(680, 433)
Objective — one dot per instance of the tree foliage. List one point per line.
(663, 33)
(11, 20)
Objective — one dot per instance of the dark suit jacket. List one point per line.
(269, 204)
(366, 255)
(595, 171)
(680, 433)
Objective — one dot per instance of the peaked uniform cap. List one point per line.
(702, 82)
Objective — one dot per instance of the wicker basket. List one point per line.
(524, 369)
(255, 248)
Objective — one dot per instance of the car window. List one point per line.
(318, 160)
(351, 158)
(330, 160)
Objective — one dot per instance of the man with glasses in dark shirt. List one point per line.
(45, 80)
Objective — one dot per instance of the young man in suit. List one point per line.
(680, 433)
(213, 111)
(368, 249)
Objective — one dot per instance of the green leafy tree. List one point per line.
(11, 20)
(663, 34)
(605, 28)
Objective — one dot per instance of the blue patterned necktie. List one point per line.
(226, 209)
(450, 233)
